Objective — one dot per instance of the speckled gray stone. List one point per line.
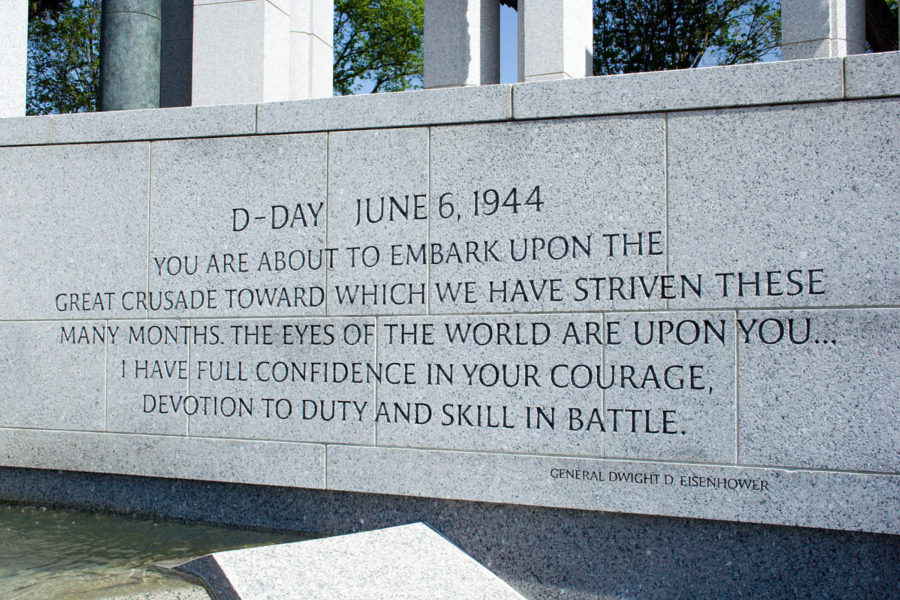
(498, 385)
(856, 502)
(59, 387)
(75, 219)
(237, 461)
(823, 398)
(542, 552)
(876, 74)
(287, 378)
(366, 169)
(758, 191)
(21, 131)
(740, 85)
(196, 189)
(424, 107)
(406, 562)
(680, 366)
(152, 124)
(584, 191)
(146, 379)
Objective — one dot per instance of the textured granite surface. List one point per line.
(541, 552)
(408, 562)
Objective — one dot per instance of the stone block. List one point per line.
(154, 124)
(461, 44)
(555, 40)
(25, 131)
(303, 380)
(503, 383)
(876, 74)
(234, 461)
(272, 190)
(855, 502)
(395, 109)
(377, 205)
(241, 52)
(75, 219)
(311, 67)
(13, 58)
(683, 384)
(739, 85)
(409, 562)
(551, 256)
(806, 24)
(825, 395)
(147, 371)
(813, 223)
(52, 374)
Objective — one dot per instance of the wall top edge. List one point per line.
(758, 84)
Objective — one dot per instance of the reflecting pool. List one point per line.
(49, 553)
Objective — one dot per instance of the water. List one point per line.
(47, 554)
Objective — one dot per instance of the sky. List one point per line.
(509, 26)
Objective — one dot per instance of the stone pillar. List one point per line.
(13, 57)
(462, 43)
(822, 28)
(556, 39)
(175, 53)
(129, 54)
(241, 51)
(312, 48)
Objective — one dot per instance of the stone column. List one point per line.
(312, 48)
(129, 54)
(241, 51)
(556, 39)
(462, 43)
(13, 57)
(822, 28)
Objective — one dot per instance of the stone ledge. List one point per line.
(759, 84)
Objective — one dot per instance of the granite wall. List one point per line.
(671, 294)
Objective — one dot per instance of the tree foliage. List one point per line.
(655, 35)
(377, 45)
(63, 56)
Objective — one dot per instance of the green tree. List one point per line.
(377, 45)
(63, 56)
(632, 36)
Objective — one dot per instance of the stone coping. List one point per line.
(785, 82)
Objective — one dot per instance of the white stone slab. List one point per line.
(804, 498)
(409, 562)
(556, 40)
(584, 191)
(75, 218)
(424, 107)
(813, 28)
(795, 191)
(498, 389)
(13, 55)
(824, 398)
(740, 85)
(154, 124)
(196, 188)
(52, 374)
(377, 204)
(461, 45)
(241, 52)
(25, 131)
(876, 74)
(147, 372)
(236, 461)
(305, 380)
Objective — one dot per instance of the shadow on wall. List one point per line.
(176, 52)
